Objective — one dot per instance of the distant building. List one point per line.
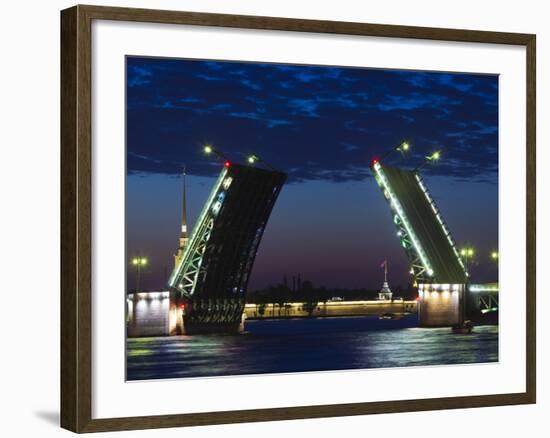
(385, 293)
(184, 235)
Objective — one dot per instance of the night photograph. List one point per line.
(292, 218)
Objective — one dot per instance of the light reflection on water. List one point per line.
(278, 346)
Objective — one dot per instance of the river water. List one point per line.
(318, 344)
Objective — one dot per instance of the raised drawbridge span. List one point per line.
(439, 271)
(209, 282)
(423, 234)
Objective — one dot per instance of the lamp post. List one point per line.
(494, 256)
(252, 159)
(402, 147)
(435, 156)
(467, 254)
(139, 262)
(208, 149)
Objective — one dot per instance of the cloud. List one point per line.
(316, 123)
(138, 76)
(270, 123)
(248, 83)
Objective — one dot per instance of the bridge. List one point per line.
(208, 285)
(446, 296)
(209, 282)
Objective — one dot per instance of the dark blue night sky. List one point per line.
(323, 126)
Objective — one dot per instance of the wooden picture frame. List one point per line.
(76, 218)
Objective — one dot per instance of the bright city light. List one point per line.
(252, 159)
(139, 261)
(494, 255)
(438, 217)
(208, 149)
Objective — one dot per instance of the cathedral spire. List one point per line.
(184, 235)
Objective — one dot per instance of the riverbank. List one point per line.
(329, 309)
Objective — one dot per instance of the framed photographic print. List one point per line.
(305, 218)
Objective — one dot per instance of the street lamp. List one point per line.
(253, 159)
(467, 254)
(139, 262)
(402, 147)
(494, 256)
(435, 156)
(208, 149)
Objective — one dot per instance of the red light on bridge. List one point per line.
(182, 306)
(374, 161)
(227, 164)
(418, 298)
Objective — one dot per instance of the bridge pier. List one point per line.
(147, 314)
(441, 305)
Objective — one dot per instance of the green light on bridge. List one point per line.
(194, 234)
(400, 214)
